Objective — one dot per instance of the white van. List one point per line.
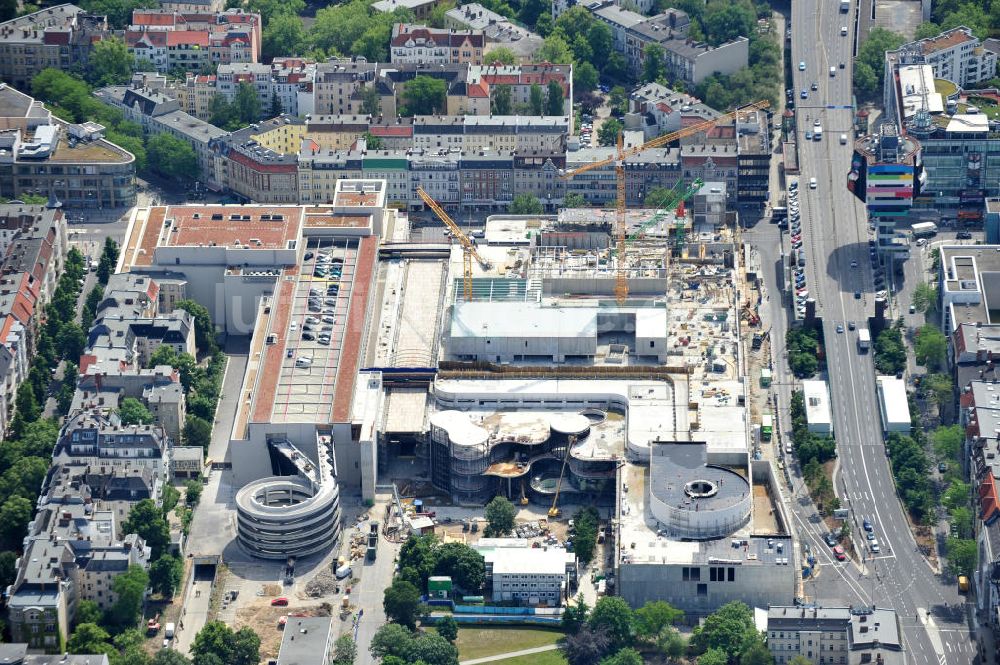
(833, 71)
(302, 362)
(812, 183)
(843, 31)
(843, 139)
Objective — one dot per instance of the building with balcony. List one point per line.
(955, 55)
(421, 44)
(58, 37)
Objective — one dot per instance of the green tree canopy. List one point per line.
(89, 638)
(501, 101)
(962, 555)
(345, 651)
(731, 628)
(146, 520)
(171, 157)
(284, 35)
(500, 512)
(110, 63)
(931, 347)
(447, 628)
(870, 63)
(133, 412)
(130, 590)
(464, 564)
(607, 135)
(503, 56)
(196, 432)
(425, 95)
(401, 603)
(241, 647)
(555, 99)
(614, 616)
(204, 329)
(165, 575)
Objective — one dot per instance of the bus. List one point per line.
(924, 229)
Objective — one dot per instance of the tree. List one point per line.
(172, 158)
(192, 493)
(575, 615)
(574, 200)
(714, 656)
(931, 346)
(110, 63)
(146, 520)
(392, 639)
(204, 329)
(501, 100)
(724, 22)
(554, 99)
(653, 617)
(925, 297)
(345, 651)
(283, 35)
(585, 76)
(586, 647)
(500, 512)
(502, 55)
(371, 101)
(890, 354)
(15, 513)
(425, 95)
(87, 611)
(231, 648)
(756, 654)
(433, 650)
(609, 131)
(90, 306)
(130, 589)
(731, 628)
(464, 564)
(869, 65)
(401, 603)
(948, 442)
(536, 99)
(626, 656)
(8, 10)
(525, 204)
(109, 260)
(614, 616)
(555, 49)
(220, 111)
(133, 412)
(89, 638)
(196, 432)
(447, 628)
(654, 64)
(939, 388)
(246, 104)
(8, 571)
(169, 657)
(165, 575)
(961, 556)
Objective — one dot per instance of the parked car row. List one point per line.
(795, 230)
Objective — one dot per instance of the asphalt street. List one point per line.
(835, 237)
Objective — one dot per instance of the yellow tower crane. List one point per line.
(621, 154)
(468, 247)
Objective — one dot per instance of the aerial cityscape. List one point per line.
(509, 332)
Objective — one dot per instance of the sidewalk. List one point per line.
(511, 654)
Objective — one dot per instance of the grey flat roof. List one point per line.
(305, 641)
(674, 465)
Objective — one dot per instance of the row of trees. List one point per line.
(70, 98)
(890, 353)
(809, 446)
(910, 468)
(802, 345)
(948, 444)
(215, 644)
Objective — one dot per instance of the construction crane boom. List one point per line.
(554, 511)
(621, 154)
(468, 247)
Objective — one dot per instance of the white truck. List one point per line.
(924, 229)
(169, 633)
(845, 6)
(864, 340)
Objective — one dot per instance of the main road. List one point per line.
(839, 276)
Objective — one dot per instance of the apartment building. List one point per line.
(194, 95)
(42, 155)
(497, 29)
(292, 83)
(956, 55)
(420, 44)
(192, 41)
(338, 87)
(835, 635)
(257, 75)
(685, 59)
(59, 37)
(74, 549)
(256, 172)
(286, 81)
(656, 110)
(159, 114)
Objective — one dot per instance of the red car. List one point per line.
(279, 602)
(838, 552)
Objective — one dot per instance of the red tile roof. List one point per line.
(989, 502)
(391, 131)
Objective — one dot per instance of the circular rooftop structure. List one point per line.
(695, 499)
(571, 424)
(285, 516)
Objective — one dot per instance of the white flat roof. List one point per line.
(817, 399)
(892, 392)
(528, 561)
(460, 429)
(522, 320)
(916, 82)
(507, 231)
(969, 122)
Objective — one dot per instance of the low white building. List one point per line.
(892, 404)
(817, 400)
(533, 576)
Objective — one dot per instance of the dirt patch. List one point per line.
(322, 584)
(264, 620)
(272, 590)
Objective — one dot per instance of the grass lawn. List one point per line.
(543, 658)
(477, 642)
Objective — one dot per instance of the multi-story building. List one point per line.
(59, 37)
(658, 110)
(886, 175)
(516, 572)
(159, 114)
(256, 172)
(835, 635)
(955, 55)
(74, 549)
(194, 41)
(423, 45)
(42, 155)
(338, 87)
(753, 158)
(257, 75)
(497, 29)
(292, 83)
(194, 95)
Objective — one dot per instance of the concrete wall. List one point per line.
(506, 349)
(756, 585)
(725, 59)
(602, 286)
